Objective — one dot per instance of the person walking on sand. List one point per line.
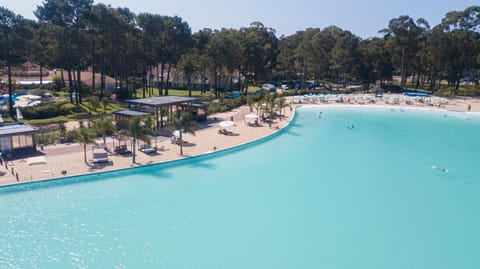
(469, 107)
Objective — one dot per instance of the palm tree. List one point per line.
(63, 131)
(150, 124)
(281, 104)
(188, 64)
(85, 136)
(137, 129)
(258, 106)
(250, 102)
(184, 123)
(105, 102)
(271, 104)
(103, 126)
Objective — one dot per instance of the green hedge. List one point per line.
(229, 104)
(47, 111)
(226, 105)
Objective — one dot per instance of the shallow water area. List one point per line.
(341, 187)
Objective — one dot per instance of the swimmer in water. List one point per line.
(443, 170)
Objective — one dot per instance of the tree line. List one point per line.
(137, 49)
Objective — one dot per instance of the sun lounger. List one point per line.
(100, 157)
(178, 142)
(122, 149)
(145, 148)
(101, 160)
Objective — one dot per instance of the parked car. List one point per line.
(313, 85)
(269, 87)
(232, 95)
(259, 91)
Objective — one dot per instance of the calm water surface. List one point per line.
(399, 190)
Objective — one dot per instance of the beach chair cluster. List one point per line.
(254, 123)
(333, 98)
(177, 141)
(122, 149)
(393, 100)
(430, 101)
(224, 132)
(368, 99)
(416, 100)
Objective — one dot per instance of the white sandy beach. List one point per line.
(70, 157)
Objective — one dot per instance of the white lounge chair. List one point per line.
(100, 157)
(145, 148)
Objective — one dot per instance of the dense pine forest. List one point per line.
(76, 35)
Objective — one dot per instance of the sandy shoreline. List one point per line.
(69, 157)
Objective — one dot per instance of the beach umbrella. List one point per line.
(251, 116)
(177, 133)
(226, 123)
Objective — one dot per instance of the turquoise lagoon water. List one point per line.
(400, 190)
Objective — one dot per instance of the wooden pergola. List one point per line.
(180, 103)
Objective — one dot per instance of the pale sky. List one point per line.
(363, 18)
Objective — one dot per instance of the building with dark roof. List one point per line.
(173, 105)
(17, 136)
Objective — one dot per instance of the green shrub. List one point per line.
(57, 83)
(226, 105)
(47, 138)
(47, 111)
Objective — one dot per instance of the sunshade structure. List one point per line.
(251, 116)
(17, 136)
(226, 123)
(173, 104)
(121, 116)
(177, 133)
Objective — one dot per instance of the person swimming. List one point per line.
(443, 170)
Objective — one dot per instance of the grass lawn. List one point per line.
(85, 108)
(177, 92)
